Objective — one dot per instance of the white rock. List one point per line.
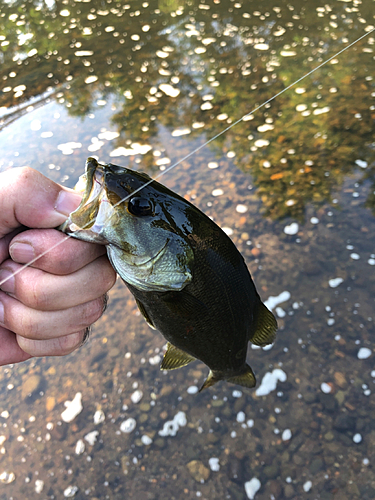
(73, 408)
(333, 283)
(128, 425)
(251, 487)
(70, 491)
(364, 353)
(99, 417)
(136, 396)
(217, 192)
(361, 163)
(274, 301)
(171, 427)
(269, 381)
(314, 220)
(241, 417)
(39, 485)
(193, 389)
(354, 256)
(286, 435)
(7, 477)
(80, 447)
(91, 437)
(241, 209)
(214, 464)
(146, 439)
(292, 228)
(307, 486)
(326, 388)
(357, 438)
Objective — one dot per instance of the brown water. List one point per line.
(143, 85)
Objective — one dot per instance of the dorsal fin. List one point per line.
(175, 358)
(265, 326)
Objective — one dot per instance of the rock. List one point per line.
(198, 471)
(288, 491)
(316, 465)
(30, 386)
(344, 422)
(271, 471)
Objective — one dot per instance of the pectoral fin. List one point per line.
(175, 358)
(144, 313)
(265, 326)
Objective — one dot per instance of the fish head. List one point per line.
(145, 226)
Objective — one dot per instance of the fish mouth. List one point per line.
(95, 210)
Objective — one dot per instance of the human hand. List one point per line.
(48, 306)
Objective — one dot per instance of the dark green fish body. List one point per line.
(188, 278)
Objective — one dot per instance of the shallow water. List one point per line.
(143, 85)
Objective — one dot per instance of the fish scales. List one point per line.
(188, 278)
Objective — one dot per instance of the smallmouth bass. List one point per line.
(189, 280)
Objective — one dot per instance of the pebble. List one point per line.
(251, 487)
(146, 440)
(80, 447)
(291, 229)
(217, 192)
(357, 438)
(73, 408)
(335, 282)
(30, 386)
(269, 381)
(128, 425)
(70, 491)
(307, 486)
(326, 388)
(286, 435)
(136, 396)
(39, 485)
(364, 353)
(99, 417)
(91, 437)
(171, 427)
(7, 477)
(198, 471)
(214, 464)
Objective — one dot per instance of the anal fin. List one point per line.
(246, 379)
(175, 358)
(265, 326)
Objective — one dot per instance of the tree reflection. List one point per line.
(209, 64)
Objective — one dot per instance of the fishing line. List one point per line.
(160, 174)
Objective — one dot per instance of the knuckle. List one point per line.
(92, 311)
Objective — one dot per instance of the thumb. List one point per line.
(28, 198)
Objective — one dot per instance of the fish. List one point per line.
(188, 279)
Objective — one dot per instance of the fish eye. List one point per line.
(140, 206)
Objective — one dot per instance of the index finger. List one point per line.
(58, 253)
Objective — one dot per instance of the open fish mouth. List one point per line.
(95, 210)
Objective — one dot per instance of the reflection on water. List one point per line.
(143, 84)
